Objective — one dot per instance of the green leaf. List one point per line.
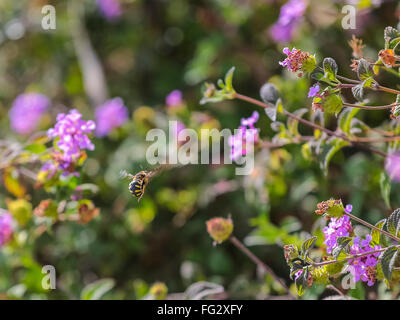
(358, 92)
(385, 185)
(269, 93)
(332, 104)
(97, 289)
(388, 260)
(364, 70)
(306, 246)
(329, 150)
(330, 69)
(36, 148)
(293, 124)
(226, 91)
(342, 243)
(301, 282)
(346, 118)
(390, 34)
(376, 235)
(228, 79)
(393, 222)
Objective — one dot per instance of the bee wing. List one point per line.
(124, 174)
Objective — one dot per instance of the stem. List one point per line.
(309, 123)
(319, 264)
(382, 139)
(394, 91)
(259, 263)
(388, 106)
(372, 227)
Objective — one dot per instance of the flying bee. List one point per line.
(138, 184)
(140, 180)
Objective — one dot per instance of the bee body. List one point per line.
(138, 184)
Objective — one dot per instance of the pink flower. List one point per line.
(392, 166)
(313, 91)
(26, 112)
(111, 9)
(364, 268)
(5, 227)
(289, 19)
(337, 227)
(112, 114)
(247, 133)
(174, 98)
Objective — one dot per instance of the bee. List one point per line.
(138, 184)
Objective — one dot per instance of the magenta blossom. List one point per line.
(5, 227)
(26, 112)
(288, 21)
(245, 134)
(337, 227)
(111, 9)
(72, 134)
(112, 114)
(314, 91)
(364, 268)
(174, 98)
(392, 166)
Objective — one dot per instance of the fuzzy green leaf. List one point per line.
(393, 222)
(306, 246)
(301, 282)
(375, 234)
(388, 260)
(385, 185)
(342, 243)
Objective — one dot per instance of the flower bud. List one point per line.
(331, 208)
(219, 229)
(291, 252)
(159, 290)
(269, 93)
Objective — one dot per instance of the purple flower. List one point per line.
(288, 21)
(337, 227)
(112, 114)
(363, 268)
(174, 98)
(111, 9)
(313, 90)
(246, 133)
(26, 112)
(5, 227)
(72, 134)
(295, 59)
(392, 166)
(348, 209)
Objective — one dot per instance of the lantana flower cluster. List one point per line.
(362, 268)
(298, 61)
(246, 134)
(71, 136)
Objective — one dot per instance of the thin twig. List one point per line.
(259, 263)
(311, 124)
